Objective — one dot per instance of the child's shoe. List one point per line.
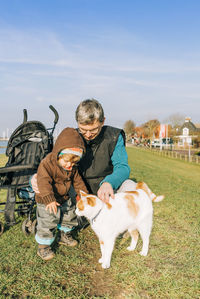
(45, 252)
(67, 240)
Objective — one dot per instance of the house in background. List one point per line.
(188, 133)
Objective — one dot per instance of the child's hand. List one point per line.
(52, 207)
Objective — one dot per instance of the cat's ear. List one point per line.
(82, 193)
(91, 200)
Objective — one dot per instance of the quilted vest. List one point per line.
(96, 163)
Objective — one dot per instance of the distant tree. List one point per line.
(129, 128)
(139, 132)
(176, 120)
(197, 141)
(150, 128)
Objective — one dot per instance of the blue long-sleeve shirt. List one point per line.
(121, 169)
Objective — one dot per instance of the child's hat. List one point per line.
(75, 151)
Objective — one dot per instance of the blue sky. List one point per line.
(140, 59)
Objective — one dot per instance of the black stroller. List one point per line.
(27, 146)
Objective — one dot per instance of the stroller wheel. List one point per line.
(1, 228)
(27, 227)
(33, 227)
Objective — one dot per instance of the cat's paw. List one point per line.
(101, 260)
(105, 265)
(129, 248)
(143, 253)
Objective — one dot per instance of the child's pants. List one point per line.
(64, 220)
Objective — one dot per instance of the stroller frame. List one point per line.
(15, 175)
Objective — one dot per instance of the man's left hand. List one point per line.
(105, 191)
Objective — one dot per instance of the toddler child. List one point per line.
(56, 174)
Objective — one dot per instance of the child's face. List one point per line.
(67, 161)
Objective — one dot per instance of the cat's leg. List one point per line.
(134, 238)
(107, 252)
(145, 231)
(102, 251)
(127, 185)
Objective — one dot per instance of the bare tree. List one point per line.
(176, 120)
(129, 128)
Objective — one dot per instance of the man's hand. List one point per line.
(34, 183)
(52, 207)
(105, 191)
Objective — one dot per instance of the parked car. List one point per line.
(162, 143)
(156, 143)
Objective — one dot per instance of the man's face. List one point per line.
(90, 131)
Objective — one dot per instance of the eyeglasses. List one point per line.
(92, 131)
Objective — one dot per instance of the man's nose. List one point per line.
(88, 134)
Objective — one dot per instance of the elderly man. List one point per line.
(105, 165)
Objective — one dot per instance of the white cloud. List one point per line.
(46, 49)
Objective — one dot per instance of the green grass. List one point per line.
(171, 269)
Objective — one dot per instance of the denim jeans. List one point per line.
(47, 223)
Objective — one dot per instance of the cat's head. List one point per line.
(87, 204)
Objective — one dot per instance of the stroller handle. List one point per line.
(25, 116)
(14, 168)
(55, 113)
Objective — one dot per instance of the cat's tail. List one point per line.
(158, 198)
(154, 198)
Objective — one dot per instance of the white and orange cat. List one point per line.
(130, 210)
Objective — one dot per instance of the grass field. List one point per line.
(171, 269)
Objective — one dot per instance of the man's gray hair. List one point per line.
(88, 111)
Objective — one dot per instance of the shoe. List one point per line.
(67, 240)
(82, 222)
(45, 252)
